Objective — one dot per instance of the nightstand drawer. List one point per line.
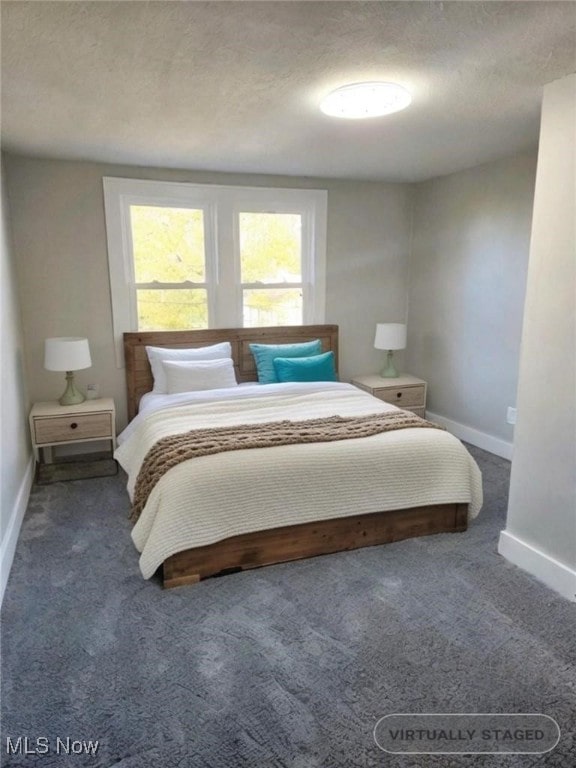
(403, 397)
(69, 428)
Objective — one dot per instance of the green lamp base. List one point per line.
(389, 371)
(71, 396)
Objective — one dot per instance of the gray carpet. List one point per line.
(284, 667)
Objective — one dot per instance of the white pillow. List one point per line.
(195, 376)
(156, 356)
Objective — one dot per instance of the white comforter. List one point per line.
(210, 498)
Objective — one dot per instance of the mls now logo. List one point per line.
(24, 745)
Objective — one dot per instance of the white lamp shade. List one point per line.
(66, 353)
(390, 336)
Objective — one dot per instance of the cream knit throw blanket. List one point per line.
(172, 450)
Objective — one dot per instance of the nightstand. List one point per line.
(54, 424)
(406, 391)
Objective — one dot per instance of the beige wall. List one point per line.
(471, 235)
(542, 507)
(15, 452)
(60, 243)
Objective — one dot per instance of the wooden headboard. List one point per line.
(139, 375)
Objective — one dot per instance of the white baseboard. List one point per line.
(473, 436)
(8, 546)
(554, 574)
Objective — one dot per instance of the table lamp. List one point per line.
(390, 336)
(67, 353)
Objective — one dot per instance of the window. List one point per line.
(185, 256)
(168, 254)
(271, 268)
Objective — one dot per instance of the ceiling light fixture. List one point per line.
(361, 100)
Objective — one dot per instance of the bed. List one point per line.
(247, 508)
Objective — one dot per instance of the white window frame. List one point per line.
(222, 206)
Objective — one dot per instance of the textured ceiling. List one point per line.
(234, 86)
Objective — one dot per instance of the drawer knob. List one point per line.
(73, 425)
(398, 394)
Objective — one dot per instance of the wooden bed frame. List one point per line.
(293, 542)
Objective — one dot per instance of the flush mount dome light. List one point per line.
(362, 100)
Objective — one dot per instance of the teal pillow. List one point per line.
(264, 355)
(315, 368)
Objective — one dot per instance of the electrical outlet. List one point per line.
(511, 415)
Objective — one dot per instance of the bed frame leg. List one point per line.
(171, 578)
(461, 517)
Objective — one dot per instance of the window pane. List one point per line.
(172, 310)
(168, 244)
(270, 247)
(272, 306)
